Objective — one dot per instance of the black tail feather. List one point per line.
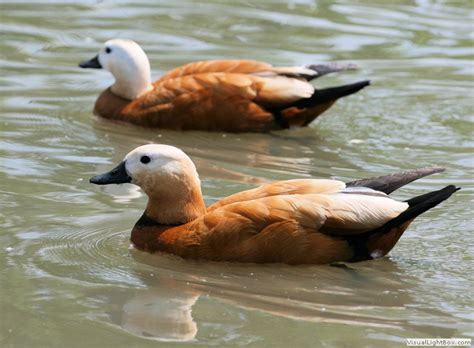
(330, 94)
(418, 205)
(392, 182)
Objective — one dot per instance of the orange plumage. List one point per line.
(217, 95)
(305, 221)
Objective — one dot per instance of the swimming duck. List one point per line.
(215, 95)
(302, 221)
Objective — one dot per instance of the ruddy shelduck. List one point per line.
(215, 95)
(302, 221)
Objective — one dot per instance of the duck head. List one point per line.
(168, 177)
(128, 63)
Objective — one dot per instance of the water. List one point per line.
(67, 275)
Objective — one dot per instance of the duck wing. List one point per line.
(285, 187)
(246, 66)
(385, 184)
(392, 182)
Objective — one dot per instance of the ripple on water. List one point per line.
(92, 254)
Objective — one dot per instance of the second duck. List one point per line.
(215, 95)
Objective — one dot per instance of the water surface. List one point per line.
(67, 275)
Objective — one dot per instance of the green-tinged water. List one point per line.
(68, 277)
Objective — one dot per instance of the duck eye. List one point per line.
(145, 159)
(108, 50)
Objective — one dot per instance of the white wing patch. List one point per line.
(295, 70)
(280, 89)
(364, 211)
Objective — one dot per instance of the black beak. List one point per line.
(118, 175)
(93, 63)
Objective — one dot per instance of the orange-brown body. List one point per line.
(291, 222)
(225, 95)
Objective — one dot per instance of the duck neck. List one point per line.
(161, 215)
(176, 206)
(132, 82)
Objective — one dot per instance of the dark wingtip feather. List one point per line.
(392, 182)
(324, 69)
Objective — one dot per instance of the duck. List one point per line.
(298, 221)
(236, 95)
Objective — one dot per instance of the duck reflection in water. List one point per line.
(340, 294)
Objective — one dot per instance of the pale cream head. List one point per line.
(170, 179)
(151, 166)
(129, 64)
